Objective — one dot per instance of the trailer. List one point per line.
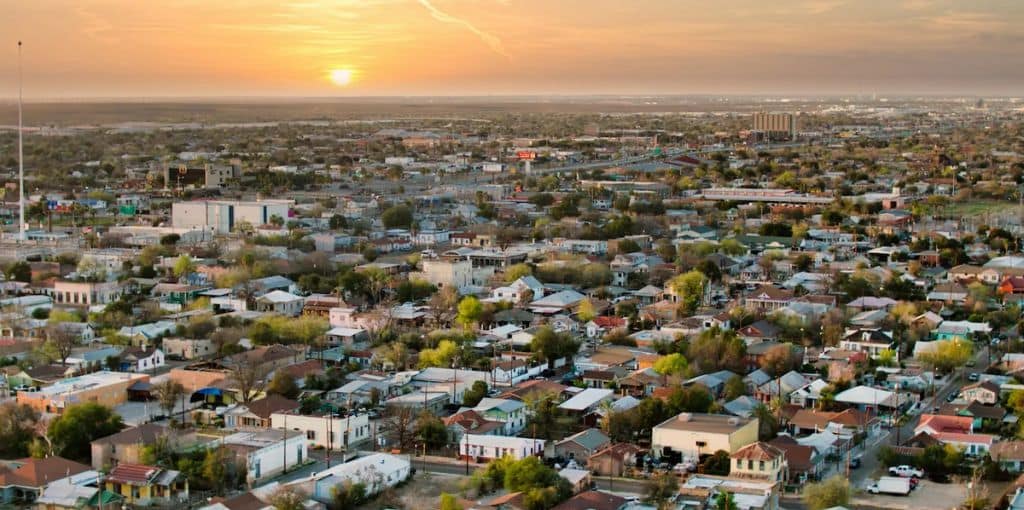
(891, 485)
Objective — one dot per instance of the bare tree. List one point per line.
(288, 498)
(168, 393)
(246, 377)
(60, 340)
(400, 424)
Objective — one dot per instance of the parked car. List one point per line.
(906, 471)
(951, 397)
(855, 462)
(973, 377)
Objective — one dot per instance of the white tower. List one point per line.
(21, 160)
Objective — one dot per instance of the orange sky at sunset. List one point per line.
(114, 48)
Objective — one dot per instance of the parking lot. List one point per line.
(927, 495)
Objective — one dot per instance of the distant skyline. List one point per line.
(353, 48)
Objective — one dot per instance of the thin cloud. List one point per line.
(490, 40)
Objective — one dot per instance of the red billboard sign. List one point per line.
(526, 155)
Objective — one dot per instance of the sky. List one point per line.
(339, 48)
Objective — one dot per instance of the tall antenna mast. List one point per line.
(21, 159)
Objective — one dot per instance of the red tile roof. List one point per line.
(137, 474)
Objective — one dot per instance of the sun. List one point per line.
(340, 77)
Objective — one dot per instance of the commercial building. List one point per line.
(776, 125)
(694, 434)
(223, 216)
(106, 388)
(262, 452)
(378, 471)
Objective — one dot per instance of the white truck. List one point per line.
(891, 485)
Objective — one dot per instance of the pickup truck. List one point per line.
(905, 471)
(891, 485)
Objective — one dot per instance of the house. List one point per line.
(1009, 455)
(601, 325)
(614, 460)
(377, 471)
(486, 447)
(586, 401)
(843, 423)
(126, 446)
(147, 485)
(767, 298)
(510, 412)
(932, 424)
(579, 446)
(267, 453)
(759, 461)
(76, 492)
(257, 414)
(694, 434)
(984, 392)
(869, 341)
(701, 491)
(471, 422)
(23, 480)
(558, 302)
(326, 429)
(188, 348)
(593, 500)
(138, 359)
(346, 336)
(280, 302)
(802, 462)
(757, 332)
(868, 398)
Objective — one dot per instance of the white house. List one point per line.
(281, 302)
(331, 432)
(508, 411)
(268, 452)
(141, 360)
(486, 447)
(377, 472)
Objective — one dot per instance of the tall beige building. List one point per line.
(776, 125)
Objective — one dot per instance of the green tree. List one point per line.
(470, 310)
(948, 355)
(671, 364)
(19, 271)
(449, 502)
(476, 393)
(834, 491)
(440, 356)
(585, 311)
(517, 271)
(431, 430)
(548, 345)
(219, 470)
(349, 495)
(689, 288)
(184, 266)
(735, 388)
(283, 384)
(725, 501)
(72, 432)
(397, 216)
(17, 424)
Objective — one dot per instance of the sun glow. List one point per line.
(341, 77)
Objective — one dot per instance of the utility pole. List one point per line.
(22, 233)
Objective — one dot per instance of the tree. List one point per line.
(17, 423)
(767, 422)
(397, 216)
(517, 271)
(19, 271)
(184, 266)
(714, 350)
(245, 376)
(400, 425)
(440, 356)
(585, 311)
(349, 495)
(549, 345)
(671, 364)
(449, 502)
(948, 355)
(725, 501)
(283, 384)
(779, 359)
(168, 393)
(219, 469)
(60, 341)
(735, 388)
(72, 432)
(288, 498)
(431, 430)
(663, 486)
(476, 393)
(689, 289)
(718, 463)
(834, 491)
(470, 309)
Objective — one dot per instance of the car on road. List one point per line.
(855, 462)
(973, 377)
(951, 397)
(906, 471)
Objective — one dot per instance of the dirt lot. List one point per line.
(424, 491)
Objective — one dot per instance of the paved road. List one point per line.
(893, 436)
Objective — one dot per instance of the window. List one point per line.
(311, 435)
(750, 464)
(761, 465)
